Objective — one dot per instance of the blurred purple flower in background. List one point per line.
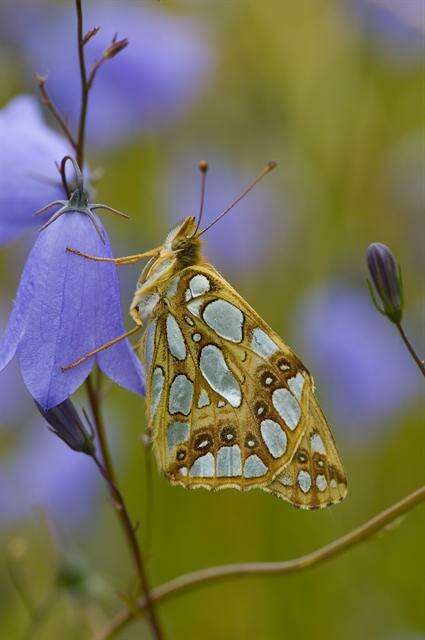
(28, 175)
(66, 306)
(16, 404)
(157, 77)
(250, 233)
(356, 357)
(396, 26)
(43, 473)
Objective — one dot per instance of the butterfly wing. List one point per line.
(228, 401)
(315, 476)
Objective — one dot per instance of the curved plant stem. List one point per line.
(410, 348)
(108, 472)
(212, 574)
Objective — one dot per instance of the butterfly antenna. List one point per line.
(269, 167)
(203, 168)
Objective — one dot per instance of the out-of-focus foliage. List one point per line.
(331, 89)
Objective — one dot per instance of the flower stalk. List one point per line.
(205, 576)
(108, 472)
(388, 287)
(107, 468)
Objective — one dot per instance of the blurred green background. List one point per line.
(333, 91)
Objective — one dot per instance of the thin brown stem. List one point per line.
(411, 350)
(213, 574)
(107, 470)
(48, 102)
(84, 86)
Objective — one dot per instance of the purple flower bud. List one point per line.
(115, 48)
(65, 422)
(386, 278)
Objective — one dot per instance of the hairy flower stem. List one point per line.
(213, 574)
(410, 348)
(108, 472)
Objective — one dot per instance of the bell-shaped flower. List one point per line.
(156, 79)
(67, 306)
(28, 175)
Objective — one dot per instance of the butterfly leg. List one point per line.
(102, 347)
(118, 261)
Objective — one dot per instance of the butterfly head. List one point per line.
(181, 248)
(182, 242)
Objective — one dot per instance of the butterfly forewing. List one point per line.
(228, 401)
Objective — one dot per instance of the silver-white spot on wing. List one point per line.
(218, 375)
(150, 343)
(316, 443)
(147, 305)
(274, 438)
(304, 481)
(203, 467)
(321, 482)
(157, 386)
(177, 433)
(254, 467)
(181, 392)
(183, 471)
(199, 285)
(229, 461)
(194, 306)
(287, 407)
(225, 319)
(175, 339)
(262, 344)
(296, 385)
(196, 337)
(204, 400)
(171, 289)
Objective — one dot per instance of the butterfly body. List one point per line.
(229, 404)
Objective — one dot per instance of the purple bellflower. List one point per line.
(395, 27)
(40, 472)
(28, 175)
(358, 360)
(157, 78)
(67, 306)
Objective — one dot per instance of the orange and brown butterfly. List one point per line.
(229, 405)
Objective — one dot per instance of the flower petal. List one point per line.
(28, 175)
(69, 315)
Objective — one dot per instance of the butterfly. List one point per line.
(229, 404)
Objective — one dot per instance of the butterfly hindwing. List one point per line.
(315, 477)
(228, 402)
